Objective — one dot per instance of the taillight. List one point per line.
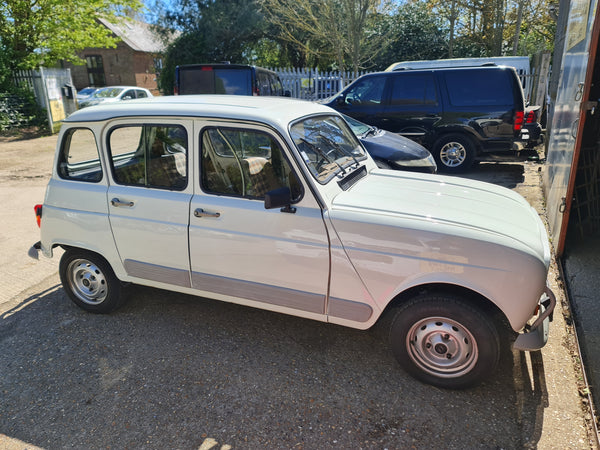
(530, 118)
(519, 117)
(38, 214)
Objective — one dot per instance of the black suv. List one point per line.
(233, 79)
(458, 113)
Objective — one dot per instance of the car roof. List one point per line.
(275, 111)
(121, 87)
(441, 69)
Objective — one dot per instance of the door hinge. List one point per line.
(590, 106)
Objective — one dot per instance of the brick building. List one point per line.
(136, 61)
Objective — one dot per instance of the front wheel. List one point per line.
(444, 341)
(89, 281)
(454, 153)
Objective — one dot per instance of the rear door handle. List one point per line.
(201, 213)
(117, 202)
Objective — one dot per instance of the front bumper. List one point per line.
(536, 335)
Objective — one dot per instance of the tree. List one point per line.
(415, 34)
(481, 28)
(43, 32)
(212, 31)
(343, 30)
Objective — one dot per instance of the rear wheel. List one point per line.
(454, 153)
(89, 281)
(442, 340)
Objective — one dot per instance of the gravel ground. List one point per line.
(175, 371)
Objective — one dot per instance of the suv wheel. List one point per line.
(454, 153)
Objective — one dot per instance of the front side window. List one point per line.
(368, 91)
(78, 159)
(327, 146)
(149, 156)
(244, 163)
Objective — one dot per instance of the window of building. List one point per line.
(95, 69)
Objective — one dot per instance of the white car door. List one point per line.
(149, 198)
(240, 251)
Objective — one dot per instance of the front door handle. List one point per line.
(201, 213)
(117, 202)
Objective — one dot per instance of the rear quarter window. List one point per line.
(479, 88)
(78, 159)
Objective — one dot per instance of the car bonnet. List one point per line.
(456, 206)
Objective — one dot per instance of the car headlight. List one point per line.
(428, 161)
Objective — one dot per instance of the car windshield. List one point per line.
(327, 146)
(108, 92)
(358, 128)
(87, 91)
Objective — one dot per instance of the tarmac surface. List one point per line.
(175, 371)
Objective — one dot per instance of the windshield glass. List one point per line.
(327, 146)
(107, 92)
(358, 128)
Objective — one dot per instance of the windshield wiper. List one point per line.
(341, 149)
(323, 154)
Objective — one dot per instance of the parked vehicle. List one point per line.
(85, 93)
(532, 129)
(115, 94)
(231, 79)
(459, 114)
(274, 204)
(391, 151)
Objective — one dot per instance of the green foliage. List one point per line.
(227, 30)
(417, 35)
(18, 108)
(43, 32)
(334, 34)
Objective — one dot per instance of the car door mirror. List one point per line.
(279, 198)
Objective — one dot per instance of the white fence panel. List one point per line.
(312, 84)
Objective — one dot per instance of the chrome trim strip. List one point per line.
(154, 272)
(348, 310)
(273, 295)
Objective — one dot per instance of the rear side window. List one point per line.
(149, 156)
(78, 159)
(480, 88)
(418, 89)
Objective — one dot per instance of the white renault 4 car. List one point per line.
(274, 203)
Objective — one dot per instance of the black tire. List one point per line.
(444, 341)
(90, 282)
(454, 153)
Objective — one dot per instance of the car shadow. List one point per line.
(171, 370)
(505, 174)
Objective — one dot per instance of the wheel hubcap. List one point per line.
(442, 347)
(453, 154)
(87, 281)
